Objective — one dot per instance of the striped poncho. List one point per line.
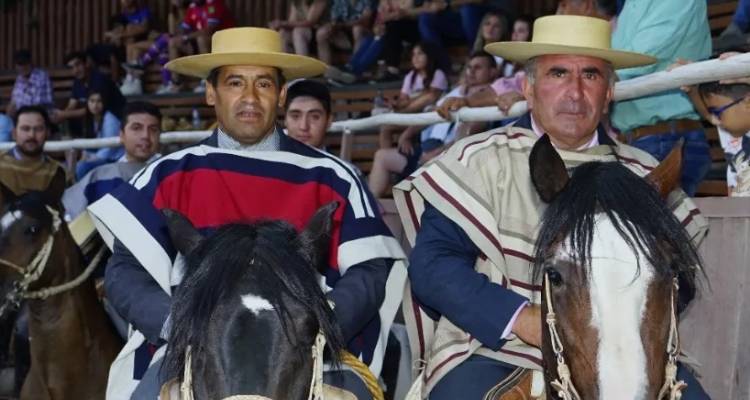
(483, 185)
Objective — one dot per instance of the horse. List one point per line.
(74, 342)
(249, 310)
(612, 257)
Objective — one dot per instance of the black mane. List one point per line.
(636, 210)
(219, 262)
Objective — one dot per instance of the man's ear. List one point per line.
(528, 92)
(210, 94)
(282, 96)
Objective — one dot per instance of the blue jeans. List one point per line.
(366, 55)
(450, 24)
(742, 15)
(473, 378)
(696, 159)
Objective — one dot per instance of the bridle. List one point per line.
(316, 382)
(35, 269)
(671, 389)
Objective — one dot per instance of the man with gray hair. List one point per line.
(472, 215)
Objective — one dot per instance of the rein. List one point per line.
(670, 390)
(316, 383)
(36, 268)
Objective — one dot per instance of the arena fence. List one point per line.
(699, 72)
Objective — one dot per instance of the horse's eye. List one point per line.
(32, 230)
(554, 276)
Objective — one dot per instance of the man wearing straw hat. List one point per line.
(247, 170)
(473, 314)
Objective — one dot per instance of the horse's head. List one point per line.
(610, 251)
(27, 224)
(250, 307)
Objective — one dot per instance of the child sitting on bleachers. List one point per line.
(422, 87)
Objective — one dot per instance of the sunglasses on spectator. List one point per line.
(717, 111)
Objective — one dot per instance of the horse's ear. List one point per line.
(548, 172)
(666, 176)
(316, 237)
(185, 237)
(54, 192)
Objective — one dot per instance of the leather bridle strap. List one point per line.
(563, 384)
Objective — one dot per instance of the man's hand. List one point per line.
(506, 100)
(451, 104)
(404, 144)
(528, 325)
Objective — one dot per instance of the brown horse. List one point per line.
(73, 342)
(612, 255)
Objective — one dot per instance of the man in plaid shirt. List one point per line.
(32, 85)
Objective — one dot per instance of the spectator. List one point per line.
(202, 19)
(604, 9)
(667, 30)
(506, 90)
(130, 26)
(400, 26)
(735, 35)
(726, 106)
(6, 128)
(297, 31)
(308, 115)
(480, 71)
(156, 51)
(492, 29)
(32, 86)
(25, 167)
(86, 80)
(140, 137)
(346, 17)
(99, 123)
(438, 22)
(422, 86)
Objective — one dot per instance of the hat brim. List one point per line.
(292, 66)
(523, 51)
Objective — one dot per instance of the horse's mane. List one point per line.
(637, 211)
(220, 261)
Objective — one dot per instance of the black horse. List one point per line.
(250, 307)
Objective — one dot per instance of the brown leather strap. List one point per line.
(672, 126)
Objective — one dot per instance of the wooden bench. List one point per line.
(720, 16)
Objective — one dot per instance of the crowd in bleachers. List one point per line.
(429, 46)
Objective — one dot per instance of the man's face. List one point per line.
(78, 67)
(140, 136)
(479, 71)
(30, 134)
(521, 31)
(307, 121)
(734, 119)
(568, 97)
(245, 99)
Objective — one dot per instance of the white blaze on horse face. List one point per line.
(256, 304)
(9, 218)
(618, 300)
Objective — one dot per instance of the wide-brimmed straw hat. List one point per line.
(570, 35)
(247, 46)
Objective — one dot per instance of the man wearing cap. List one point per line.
(472, 214)
(247, 170)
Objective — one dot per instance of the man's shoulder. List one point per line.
(493, 143)
(632, 155)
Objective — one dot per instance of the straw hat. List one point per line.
(569, 34)
(247, 46)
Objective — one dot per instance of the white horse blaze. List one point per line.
(618, 300)
(9, 218)
(255, 303)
